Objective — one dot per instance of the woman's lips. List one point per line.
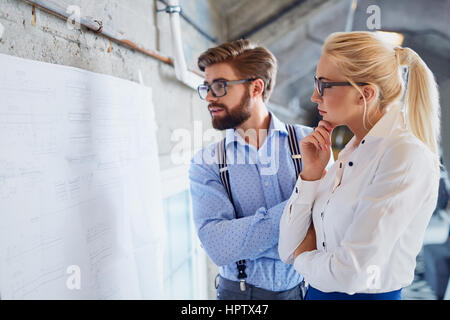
(321, 112)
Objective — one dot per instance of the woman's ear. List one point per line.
(370, 93)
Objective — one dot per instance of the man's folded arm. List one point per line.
(226, 239)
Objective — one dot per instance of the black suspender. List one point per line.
(295, 150)
(225, 177)
(223, 169)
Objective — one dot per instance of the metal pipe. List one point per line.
(188, 78)
(97, 27)
(351, 15)
(194, 25)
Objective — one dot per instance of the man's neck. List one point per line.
(256, 128)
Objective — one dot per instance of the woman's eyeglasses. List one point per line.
(218, 88)
(319, 85)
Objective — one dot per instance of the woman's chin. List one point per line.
(331, 121)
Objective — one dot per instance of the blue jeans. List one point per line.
(314, 294)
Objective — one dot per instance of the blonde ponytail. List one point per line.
(421, 99)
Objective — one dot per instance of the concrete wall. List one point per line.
(49, 39)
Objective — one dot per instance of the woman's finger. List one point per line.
(320, 138)
(325, 124)
(311, 140)
(317, 143)
(328, 126)
(325, 135)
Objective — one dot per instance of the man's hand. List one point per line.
(308, 244)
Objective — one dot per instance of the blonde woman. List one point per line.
(354, 232)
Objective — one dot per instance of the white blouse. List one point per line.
(370, 212)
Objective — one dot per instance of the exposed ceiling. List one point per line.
(294, 30)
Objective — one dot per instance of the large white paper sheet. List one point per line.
(80, 200)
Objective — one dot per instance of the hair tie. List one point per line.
(405, 76)
(397, 54)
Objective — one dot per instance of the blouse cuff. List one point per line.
(306, 190)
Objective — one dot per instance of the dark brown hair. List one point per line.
(247, 60)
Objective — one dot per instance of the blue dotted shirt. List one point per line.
(261, 183)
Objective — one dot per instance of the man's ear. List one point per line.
(257, 88)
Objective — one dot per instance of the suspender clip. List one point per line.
(242, 285)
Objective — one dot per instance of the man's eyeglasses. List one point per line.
(218, 87)
(319, 85)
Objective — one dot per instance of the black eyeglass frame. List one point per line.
(226, 84)
(319, 85)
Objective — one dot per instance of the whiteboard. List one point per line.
(80, 204)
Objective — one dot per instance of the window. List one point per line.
(179, 253)
(185, 275)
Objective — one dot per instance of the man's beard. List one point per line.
(236, 117)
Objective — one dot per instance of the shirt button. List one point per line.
(340, 165)
(266, 184)
(363, 141)
(321, 215)
(296, 190)
(279, 283)
(350, 163)
(323, 244)
(260, 250)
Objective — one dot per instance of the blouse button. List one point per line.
(350, 163)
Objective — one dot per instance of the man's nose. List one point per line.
(210, 98)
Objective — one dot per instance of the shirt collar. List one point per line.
(391, 121)
(275, 125)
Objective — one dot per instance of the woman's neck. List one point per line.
(360, 129)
